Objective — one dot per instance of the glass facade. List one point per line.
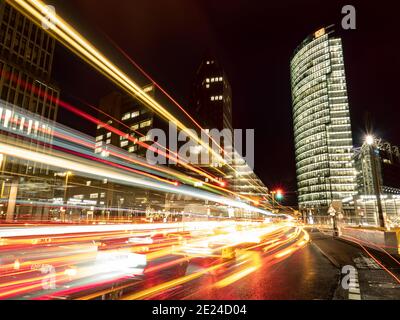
(26, 92)
(133, 118)
(322, 130)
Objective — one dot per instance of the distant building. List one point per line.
(133, 118)
(387, 160)
(130, 116)
(212, 108)
(212, 96)
(212, 105)
(363, 209)
(246, 182)
(321, 119)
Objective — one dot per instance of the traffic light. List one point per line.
(279, 194)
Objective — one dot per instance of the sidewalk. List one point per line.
(371, 280)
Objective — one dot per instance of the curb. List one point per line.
(331, 259)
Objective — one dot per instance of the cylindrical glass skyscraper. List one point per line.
(322, 130)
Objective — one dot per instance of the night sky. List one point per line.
(253, 40)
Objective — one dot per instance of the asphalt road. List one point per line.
(306, 274)
(314, 272)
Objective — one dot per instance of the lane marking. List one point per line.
(354, 287)
(354, 296)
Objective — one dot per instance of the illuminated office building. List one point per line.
(321, 118)
(212, 105)
(131, 117)
(135, 120)
(26, 56)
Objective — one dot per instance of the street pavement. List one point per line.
(378, 274)
(311, 273)
(315, 271)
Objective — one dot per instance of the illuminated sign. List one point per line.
(319, 32)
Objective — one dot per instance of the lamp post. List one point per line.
(273, 199)
(375, 179)
(67, 174)
(335, 226)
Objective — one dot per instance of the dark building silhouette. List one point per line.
(212, 96)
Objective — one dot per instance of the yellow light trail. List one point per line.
(235, 277)
(170, 284)
(87, 167)
(61, 30)
(64, 33)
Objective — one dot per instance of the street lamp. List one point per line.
(66, 174)
(273, 199)
(370, 141)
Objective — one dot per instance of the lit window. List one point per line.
(212, 98)
(207, 85)
(220, 78)
(105, 153)
(124, 143)
(21, 126)
(108, 134)
(145, 124)
(148, 88)
(102, 195)
(98, 138)
(207, 80)
(7, 118)
(212, 79)
(108, 141)
(132, 149)
(94, 195)
(126, 116)
(220, 97)
(135, 127)
(135, 114)
(98, 144)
